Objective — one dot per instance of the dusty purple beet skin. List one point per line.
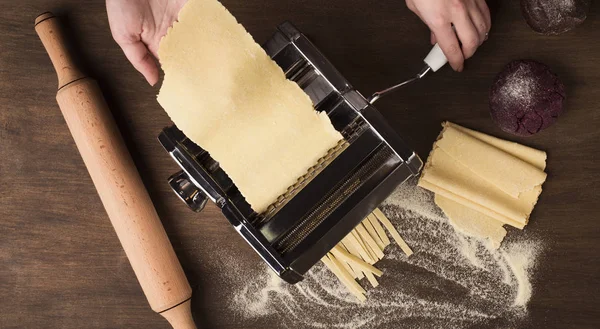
(526, 97)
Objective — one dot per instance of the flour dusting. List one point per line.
(552, 17)
(557, 10)
(452, 280)
(518, 259)
(520, 87)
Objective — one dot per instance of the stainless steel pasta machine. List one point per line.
(335, 195)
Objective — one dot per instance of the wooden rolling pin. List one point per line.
(118, 183)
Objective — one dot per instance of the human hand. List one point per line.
(471, 20)
(137, 26)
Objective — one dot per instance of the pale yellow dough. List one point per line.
(530, 155)
(353, 258)
(471, 222)
(225, 93)
(508, 173)
(482, 182)
(447, 175)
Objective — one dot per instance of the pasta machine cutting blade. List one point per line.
(334, 196)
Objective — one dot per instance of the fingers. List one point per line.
(467, 33)
(485, 11)
(137, 53)
(480, 25)
(411, 5)
(446, 38)
(471, 20)
(481, 19)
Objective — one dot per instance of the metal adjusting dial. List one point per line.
(187, 191)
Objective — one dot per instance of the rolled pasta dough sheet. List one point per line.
(471, 222)
(505, 171)
(470, 204)
(528, 154)
(449, 174)
(462, 182)
(225, 93)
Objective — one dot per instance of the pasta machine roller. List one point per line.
(334, 196)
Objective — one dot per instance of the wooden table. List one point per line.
(61, 265)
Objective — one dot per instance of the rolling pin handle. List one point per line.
(180, 317)
(48, 28)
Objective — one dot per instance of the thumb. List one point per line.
(143, 61)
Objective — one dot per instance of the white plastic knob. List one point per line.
(436, 58)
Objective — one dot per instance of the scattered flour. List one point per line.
(552, 17)
(557, 10)
(452, 281)
(518, 258)
(520, 87)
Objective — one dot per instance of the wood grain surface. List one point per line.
(61, 265)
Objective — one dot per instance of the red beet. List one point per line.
(526, 97)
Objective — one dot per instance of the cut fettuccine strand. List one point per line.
(352, 259)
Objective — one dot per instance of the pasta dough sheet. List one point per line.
(225, 93)
(530, 155)
(470, 204)
(472, 222)
(485, 174)
(508, 173)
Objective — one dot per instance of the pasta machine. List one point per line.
(334, 196)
